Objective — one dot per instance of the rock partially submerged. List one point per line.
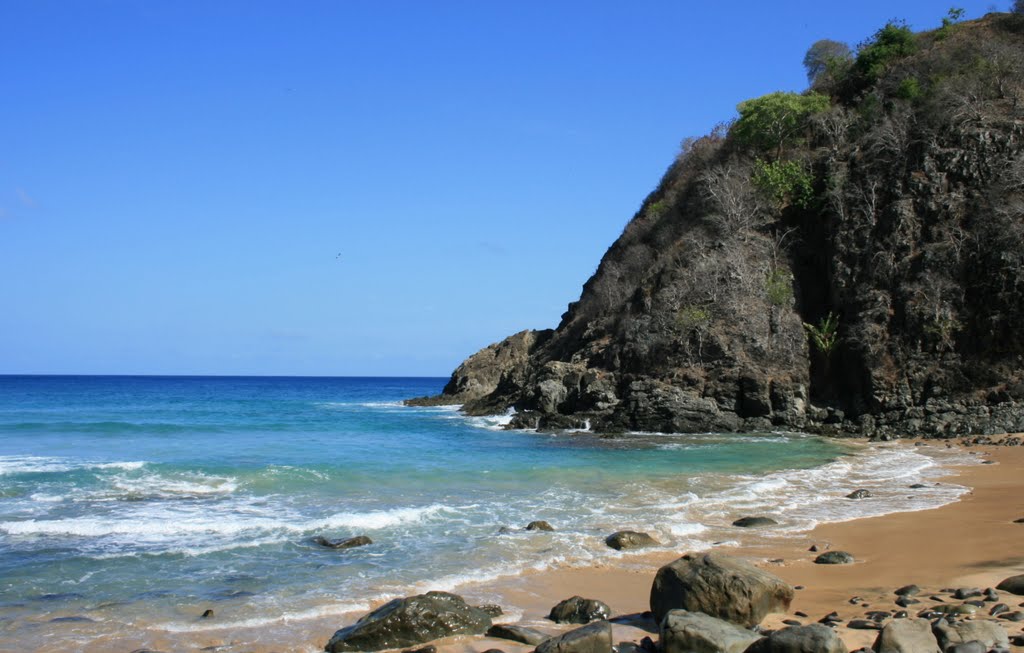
(719, 586)
(539, 525)
(754, 522)
(345, 543)
(592, 638)
(859, 494)
(411, 621)
(623, 540)
(685, 632)
(578, 610)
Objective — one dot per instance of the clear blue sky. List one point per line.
(178, 178)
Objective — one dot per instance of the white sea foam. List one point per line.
(48, 465)
(157, 522)
(161, 486)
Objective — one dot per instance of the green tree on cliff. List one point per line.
(773, 121)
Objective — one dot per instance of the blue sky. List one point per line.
(348, 188)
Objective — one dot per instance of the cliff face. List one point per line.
(878, 288)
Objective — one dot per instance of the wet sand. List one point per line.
(971, 543)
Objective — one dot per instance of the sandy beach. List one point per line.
(970, 543)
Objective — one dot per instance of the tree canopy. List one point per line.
(772, 121)
(825, 54)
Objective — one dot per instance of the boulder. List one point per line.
(623, 540)
(908, 590)
(411, 621)
(539, 525)
(859, 494)
(578, 610)
(949, 634)
(907, 636)
(520, 634)
(834, 558)
(1013, 585)
(814, 638)
(719, 586)
(754, 522)
(696, 632)
(592, 638)
(347, 543)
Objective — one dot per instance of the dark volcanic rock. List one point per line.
(622, 540)
(539, 525)
(859, 494)
(1013, 585)
(754, 522)
(410, 621)
(578, 610)
(592, 638)
(908, 590)
(348, 543)
(719, 586)
(813, 638)
(834, 558)
(207, 614)
(685, 632)
(694, 319)
(520, 634)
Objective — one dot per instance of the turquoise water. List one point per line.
(136, 502)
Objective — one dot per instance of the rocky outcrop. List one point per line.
(695, 632)
(705, 314)
(719, 586)
(411, 621)
(834, 558)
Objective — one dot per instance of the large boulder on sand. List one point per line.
(719, 586)
(409, 622)
(696, 632)
(1013, 585)
(813, 638)
(907, 636)
(592, 638)
(578, 610)
(949, 634)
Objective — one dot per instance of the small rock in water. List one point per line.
(68, 620)
(859, 494)
(346, 543)
(539, 525)
(908, 590)
(504, 530)
(491, 609)
(917, 486)
(834, 558)
(207, 614)
(623, 540)
(754, 522)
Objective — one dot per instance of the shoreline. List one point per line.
(980, 546)
(891, 550)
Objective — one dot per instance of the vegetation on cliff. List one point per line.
(847, 259)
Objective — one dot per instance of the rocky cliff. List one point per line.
(859, 269)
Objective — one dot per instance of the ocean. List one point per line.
(130, 505)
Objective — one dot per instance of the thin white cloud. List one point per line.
(25, 198)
